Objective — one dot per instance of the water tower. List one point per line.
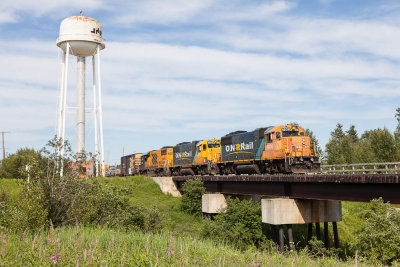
(81, 37)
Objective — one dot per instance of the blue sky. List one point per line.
(177, 70)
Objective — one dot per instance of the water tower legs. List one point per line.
(100, 107)
(96, 145)
(80, 115)
(63, 102)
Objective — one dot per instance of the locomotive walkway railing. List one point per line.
(380, 167)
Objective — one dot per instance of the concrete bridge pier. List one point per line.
(285, 211)
(212, 204)
(282, 213)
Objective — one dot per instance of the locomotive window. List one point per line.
(269, 137)
(287, 134)
(213, 145)
(163, 152)
(199, 148)
(204, 147)
(278, 135)
(302, 134)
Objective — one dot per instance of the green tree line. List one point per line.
(377, 145)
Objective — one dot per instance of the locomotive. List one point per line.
(267, 150)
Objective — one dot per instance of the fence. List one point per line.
(380, 167)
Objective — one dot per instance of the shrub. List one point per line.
(192, 190)
(240, 223)
(70, 200)
(379, 236)
(25, 213)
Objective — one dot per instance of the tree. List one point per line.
(193, 190)
(352, 133)
(314, 140)
(379, 236)
(334, 148)
(338, 133)
(382, 143)
(14, 166)
(397, 131)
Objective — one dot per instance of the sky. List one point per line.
(178, 70)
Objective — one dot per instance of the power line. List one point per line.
(2, 141)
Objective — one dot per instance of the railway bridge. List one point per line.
(302, 199)
(345, 187)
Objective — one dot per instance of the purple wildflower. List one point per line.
(52, 256)
(49, 239)
(170, 251)
(55, 261)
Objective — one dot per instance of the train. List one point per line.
(267, 150)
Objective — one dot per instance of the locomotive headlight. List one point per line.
(301, 159)
(312, 159)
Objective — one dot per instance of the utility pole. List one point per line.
(2, 141)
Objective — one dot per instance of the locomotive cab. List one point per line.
(290, 149)
(208, 151)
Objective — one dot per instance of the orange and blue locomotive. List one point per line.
(274, 149)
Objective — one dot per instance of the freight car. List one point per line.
(273, 149)
(130, 164)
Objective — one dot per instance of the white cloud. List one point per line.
(206, 72)
(154, 11)
(149, 79)
(13, 10)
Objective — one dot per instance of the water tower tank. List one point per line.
(82, 33)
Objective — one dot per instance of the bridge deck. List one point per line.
(346, 187)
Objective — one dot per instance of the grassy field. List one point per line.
(143, 191)
(83, 246)
(179, 232)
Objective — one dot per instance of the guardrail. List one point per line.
(379, 167)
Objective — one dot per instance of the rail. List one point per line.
(379, 167)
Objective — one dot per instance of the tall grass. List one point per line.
(96, 246)
(181, 233)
